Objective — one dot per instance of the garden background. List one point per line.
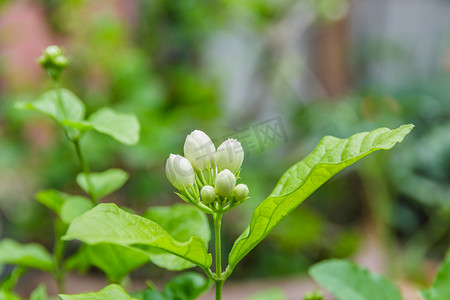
(276, 75)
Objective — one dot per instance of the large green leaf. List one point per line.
(348, 281)
(64, 205)
(301, 180)
(29, 255)
(182, 222)
(111, 292)
(115, 260)
(103, 183)
(440, 290)
(122, 127)
(106, 223)
(60, 107)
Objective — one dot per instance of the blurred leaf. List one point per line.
(187, 286)
(5, 295)
(70, 108)
(301, 180)
(106, 223)
(271, 294)
(440, 290)
(104, 183)
(28, 255)
(120, 126)
(111, 292)
(182, 222)
(40, 293)
(11, 280)
(115, 260)
(348, 281)
(64, 205)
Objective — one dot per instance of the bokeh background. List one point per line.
(277, 74)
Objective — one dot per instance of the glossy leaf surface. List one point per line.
(106, 223)
(301, 180)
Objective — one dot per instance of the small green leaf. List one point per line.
(114, 260)
(69, 107)
(64, 205)
(111, 292)
(73, 207)
(6, 295)
(348, 281)
(186, 286)
(271, 294)
(182, 222)
(40, 293)
(440, 290)
(301, 180)
(106, 223)
(120, 126)
(28, 255)
(104, 183)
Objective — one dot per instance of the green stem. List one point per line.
(86, 171)
(58, 253)
(219, 278)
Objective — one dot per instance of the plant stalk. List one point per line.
(86, 171)
(219, 276)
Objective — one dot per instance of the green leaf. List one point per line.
(6, 295)
(182, 222)
(122, 127)
(29, 255)
(186, 286)
(68, 108)
(64, 205)
(106, 223)
(440, 290)
(301, 180)
(104, 183)
(348, 281)
(111, 292)
(40, 293)
(114, 260)
(271, 294)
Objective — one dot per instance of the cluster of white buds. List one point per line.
(53, 61)
(207, 177)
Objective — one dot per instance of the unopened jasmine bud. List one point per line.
(229, 155)
(199, 150)
(179, 171)
(61, 61)
(52, 51)
(240, 192)
(225, 182)
(208, 194)
(53, 61)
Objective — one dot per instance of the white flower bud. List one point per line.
(225, 182)
(53, 51)
(199, 150)
(240, 192)
(229, 155)
(179, 171)
(208, 194)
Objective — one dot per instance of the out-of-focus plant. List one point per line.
(348, 281)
